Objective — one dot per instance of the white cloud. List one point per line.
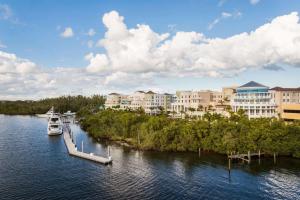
(5, 12)
(141, 50)
(123, 80)
(253, 2)
(23, 79)
(224, 15)
(98, 63)
(91, 32)
(10, 63)
(137, 57)
(67, 33)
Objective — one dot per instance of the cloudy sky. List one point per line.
(52, 48)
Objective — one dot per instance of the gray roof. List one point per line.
(286, 89)
(150, 92)
(252, 84)
(114, 93)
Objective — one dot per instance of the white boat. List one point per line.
(69, 113)
(55, 126)
(47, 114)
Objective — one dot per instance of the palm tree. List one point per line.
(200, 108)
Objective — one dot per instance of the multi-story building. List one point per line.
(255, 99)
(228, 93)
(203, 100)
(136, 100)
(287, 101)
(113, 100)
(151, 102)
(155, 103)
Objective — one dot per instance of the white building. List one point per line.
(255, 99)
(113, 100)
(151, 102)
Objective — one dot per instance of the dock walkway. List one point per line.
(245, 157)
(72, 149)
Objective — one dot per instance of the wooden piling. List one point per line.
(259, 156)
(229, 165)
(199, 152)
(274, 158)
(249, 157)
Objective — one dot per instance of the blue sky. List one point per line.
(33, 29)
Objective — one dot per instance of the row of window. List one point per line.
(251, 100)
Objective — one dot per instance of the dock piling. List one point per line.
(258, 156)
(249, 157)
(229, 165)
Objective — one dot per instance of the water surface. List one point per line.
(36, 166)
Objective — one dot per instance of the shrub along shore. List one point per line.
(61, 104)
(213, 132)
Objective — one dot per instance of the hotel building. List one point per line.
(151, 102)
(113, 100)
(187, 100)
(255, 99)
(288, 102)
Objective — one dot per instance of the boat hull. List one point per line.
(54, 132)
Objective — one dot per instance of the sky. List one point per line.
(52, 48)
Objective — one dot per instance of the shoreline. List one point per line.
(124, 143)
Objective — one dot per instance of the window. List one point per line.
(291, 111)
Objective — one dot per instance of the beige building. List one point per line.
(198, 102)
(228, 93)
(187, 100)
(113, 100)
(287, 101)
(151, 102)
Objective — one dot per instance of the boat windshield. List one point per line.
(54, 126)
(54, 119)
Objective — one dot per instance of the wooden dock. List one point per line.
(245, 157)
(72, 149)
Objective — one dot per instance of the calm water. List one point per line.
(35, 166)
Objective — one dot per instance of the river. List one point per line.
(36, 166)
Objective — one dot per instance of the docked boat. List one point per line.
(47, 114)
(55, 125)
(69, 113)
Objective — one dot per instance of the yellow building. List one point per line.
(290, 111)
(287, 101)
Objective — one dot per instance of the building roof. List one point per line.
(114, 93)
(252, 84)
(150, 92)
(140, 91)
(286, 89)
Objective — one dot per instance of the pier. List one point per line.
(72, 149)
(245, 157)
